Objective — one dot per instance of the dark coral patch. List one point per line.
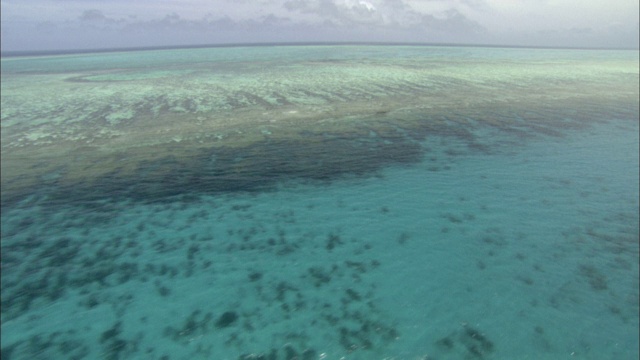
(226, 319)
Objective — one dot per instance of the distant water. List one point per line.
(321, 202)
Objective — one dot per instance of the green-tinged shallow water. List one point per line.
(321, 202)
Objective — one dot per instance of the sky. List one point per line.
(41, 25)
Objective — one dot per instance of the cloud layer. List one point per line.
(76, 24)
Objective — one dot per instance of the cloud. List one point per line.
(119, 23)
(294, 20)
(454, 23)
(380, 16)
(344, 13)
(92, 15)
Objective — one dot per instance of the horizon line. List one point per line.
(19, 53)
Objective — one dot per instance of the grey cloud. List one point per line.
(321, 7)
(454, 23)
(390, 14)
(208, 23)
(97, 18)
(476, 4)
(282, 20)
(324, 20)
(342, 13)
(293, 20)
(92, 15)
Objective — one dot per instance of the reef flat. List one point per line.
(105, 123)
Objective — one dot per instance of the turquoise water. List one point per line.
(494, 228)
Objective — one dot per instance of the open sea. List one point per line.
(321, 202)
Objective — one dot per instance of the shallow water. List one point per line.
(321, 202)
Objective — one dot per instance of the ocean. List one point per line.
(321, 202)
